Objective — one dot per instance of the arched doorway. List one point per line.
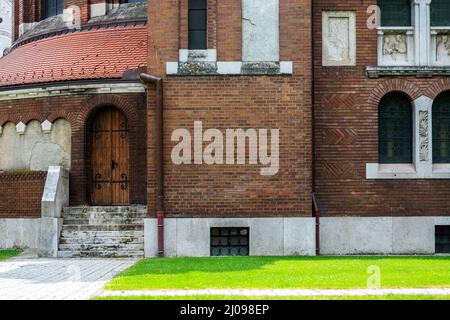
(108, 158)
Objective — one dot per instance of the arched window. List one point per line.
(51, 8)
(395, 129)
(440, 13)
(395, 13)
(441, 128)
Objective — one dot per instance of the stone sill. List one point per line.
(420, 72)
(201, 68)
(376, 171)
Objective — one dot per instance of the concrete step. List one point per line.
(137, 210)
(101, 240)
(103, 227)
(102, 247)
(102, 221)
(100, 254)
(100, 234)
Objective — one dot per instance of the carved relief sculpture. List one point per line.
(395, 48)
(443, 49)
(423, 134)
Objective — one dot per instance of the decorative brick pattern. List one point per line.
(346, 131)
(21, 193)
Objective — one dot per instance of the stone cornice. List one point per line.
(71, 89)
(420, 72)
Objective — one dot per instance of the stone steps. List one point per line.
(101, 254)
(140, 211)
(102, 232)
(103, 221)
(102, 246)
(104, 227)
(107, 240)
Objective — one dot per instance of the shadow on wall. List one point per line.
(35, 149)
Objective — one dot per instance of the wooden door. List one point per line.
(109, 158)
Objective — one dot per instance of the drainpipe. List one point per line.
(158, 154)
(316, 211)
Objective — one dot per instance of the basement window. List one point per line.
(442, 239)
(229, 242)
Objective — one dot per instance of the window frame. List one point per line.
(386, 138)
(441, 117)
(410, 19)
(58, 8)
(195, 7)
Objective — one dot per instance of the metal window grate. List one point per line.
(440, 13)
(441, 128)
(395, 13)
(442, 239)
(395, 129)
(198, 18)
(229, 242)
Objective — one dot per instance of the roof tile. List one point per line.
(97, 54)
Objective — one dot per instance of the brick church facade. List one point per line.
(240, 127)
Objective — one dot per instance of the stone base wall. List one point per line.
(21, 193)
(190, 237)
(19, 233)
(379, 235)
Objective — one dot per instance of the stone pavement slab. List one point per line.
(30, 278)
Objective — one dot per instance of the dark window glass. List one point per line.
(441, 128)
(229, 241)
(197, 24)
(135, 1)
(442, 239)
(395, 129)
(440, 13)
(395, 13)
(52, 8)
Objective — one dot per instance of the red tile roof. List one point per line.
(104, 54)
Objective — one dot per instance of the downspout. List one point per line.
(316, 211)
(158, 154)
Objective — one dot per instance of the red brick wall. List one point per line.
(77, 109)
(222, 102)
(347, 131)
(21, 193)
(229, 23)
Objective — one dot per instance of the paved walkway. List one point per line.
(276, 292)
(29, 278)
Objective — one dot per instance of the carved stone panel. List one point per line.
(423, 134)
(395, 48)
(339, 42)
(443, 49)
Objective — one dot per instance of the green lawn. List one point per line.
(387, 297)
(5, 254)
(283, 272)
